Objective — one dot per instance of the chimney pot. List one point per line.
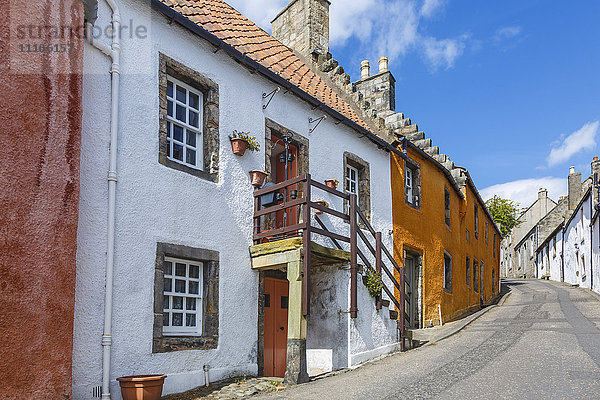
(365, 69)
(595, 159)
(572, 170)
(383, 64)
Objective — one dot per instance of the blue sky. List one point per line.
(510, 89)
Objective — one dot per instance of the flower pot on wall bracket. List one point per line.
(239, 146)
(323, 203)
(332, 183)
(141, 387)
(257, 177)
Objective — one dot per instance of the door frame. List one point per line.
(275, 274)
(417, 294)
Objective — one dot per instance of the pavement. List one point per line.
(543, 342)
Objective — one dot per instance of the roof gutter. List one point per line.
(175, 16)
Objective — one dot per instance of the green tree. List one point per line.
(505, 213)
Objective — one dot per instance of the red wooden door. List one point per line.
(276, 316)
(292, 213)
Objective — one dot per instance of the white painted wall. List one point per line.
(577, 251)
(159, 204)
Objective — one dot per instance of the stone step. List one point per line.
(328, 65)
(423, 143)
(393, 314)
(441, 158)
(449, 165)
(415, 136)
(433, 150)
(413, 128)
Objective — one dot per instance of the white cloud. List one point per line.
(507, 32)
(443, 53)
(580, 140)
(430, 7)
(382, 27)
(524, 191)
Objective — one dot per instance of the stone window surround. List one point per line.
(416, 170)
(210, 120)
(364, 184)
(210, 300)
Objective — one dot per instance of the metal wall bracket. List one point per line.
(316, 122)
(270, 95)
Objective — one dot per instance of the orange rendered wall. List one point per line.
(424, 231)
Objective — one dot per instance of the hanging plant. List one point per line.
(242, 141)
(373, 282)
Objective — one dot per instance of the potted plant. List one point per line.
(332, 183)
(141, 387)
(323, 203)
(242, 141)
(257, 177)
(373, 282)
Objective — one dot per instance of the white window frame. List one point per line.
(349, 181)
(171, 120)
(408, 184)
(170, 293)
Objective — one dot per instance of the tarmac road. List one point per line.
(542, 343)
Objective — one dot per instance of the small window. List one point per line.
(447, 272)
(182, 303)
(481, 276)
(486, 232)
(412, 185)
(447, 206)
(468, 271)
(351, 180)
(475, 280)
(184, 124)
(494, 251)
(476, 218)
(467, 236)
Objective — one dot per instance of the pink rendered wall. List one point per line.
(40, 123)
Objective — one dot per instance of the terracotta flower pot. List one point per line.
(141, 387)
(332, 183)
(239, 146)
(323, 203)
(257, 177)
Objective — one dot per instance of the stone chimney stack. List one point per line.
(376, 93)
(383, 64)
(303, 26)
(543, 197)
(365, 69)
(595, 173)
(574, 188)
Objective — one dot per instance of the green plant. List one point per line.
(373, 282)
(253, 144)
(505, 213)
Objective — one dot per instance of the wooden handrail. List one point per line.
(279, 231)
(326, 188)
(281, 185)
(329, 234)
(335, 242)
(328, 210)
(279, 207)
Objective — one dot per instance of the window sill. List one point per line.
(167, 344)
(214, 177)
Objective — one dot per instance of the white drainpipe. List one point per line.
(113, 52)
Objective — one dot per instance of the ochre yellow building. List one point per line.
(436, 238)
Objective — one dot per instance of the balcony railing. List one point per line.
(296, 194)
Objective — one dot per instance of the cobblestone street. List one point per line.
(542, 343)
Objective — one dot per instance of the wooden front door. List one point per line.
(291, 214)
(276, 319)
